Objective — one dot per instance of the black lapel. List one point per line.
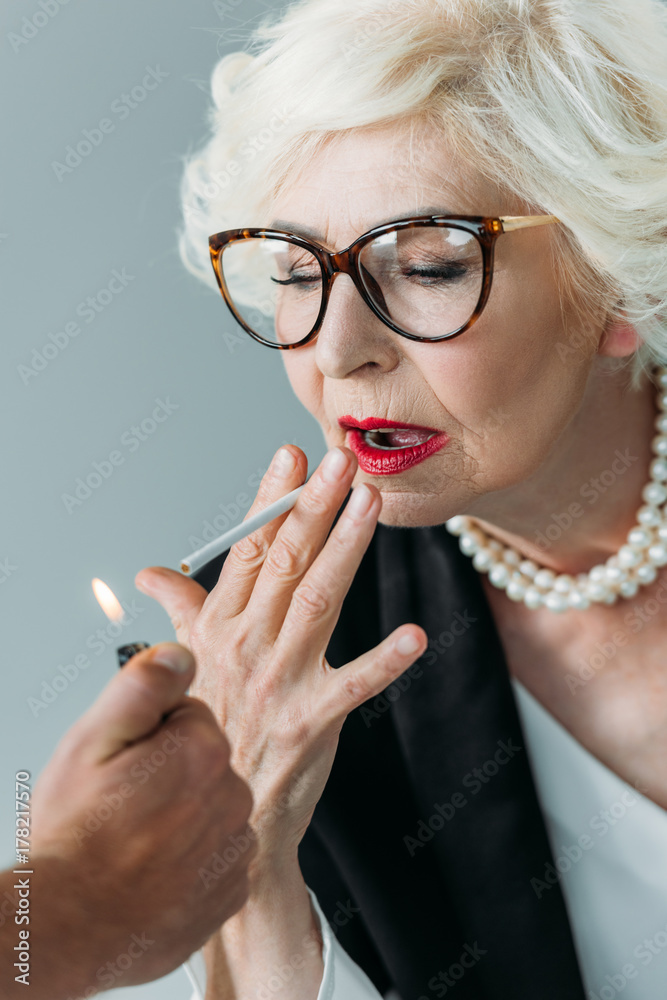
(485, 827)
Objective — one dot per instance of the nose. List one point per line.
(352, 339)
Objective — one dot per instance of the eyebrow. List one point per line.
(306, 231)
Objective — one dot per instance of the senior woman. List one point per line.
(444, 672)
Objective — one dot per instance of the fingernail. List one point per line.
(334, 465)
(361, 500)
(176, 658)
(408, 643)
(283, 463)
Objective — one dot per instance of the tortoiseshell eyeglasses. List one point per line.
(427, 278)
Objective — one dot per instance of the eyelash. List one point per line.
(452, 272)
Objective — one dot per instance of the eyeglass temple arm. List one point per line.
(511, 222)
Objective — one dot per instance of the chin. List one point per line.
(404, 509)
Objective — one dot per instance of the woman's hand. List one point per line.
(260, 638)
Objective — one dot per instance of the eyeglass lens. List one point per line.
(426, 281)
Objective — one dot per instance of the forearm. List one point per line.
(272, 947)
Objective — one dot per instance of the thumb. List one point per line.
(134, 703)
(181, 597)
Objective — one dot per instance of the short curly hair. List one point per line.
(562, 101)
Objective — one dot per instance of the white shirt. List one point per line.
(609, 844)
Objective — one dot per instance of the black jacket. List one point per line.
(423, 846)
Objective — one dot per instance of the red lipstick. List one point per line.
(394, 448)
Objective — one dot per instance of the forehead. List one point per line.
(363, 178)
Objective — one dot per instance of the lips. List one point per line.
(389, 447)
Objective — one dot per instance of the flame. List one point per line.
(108, 601)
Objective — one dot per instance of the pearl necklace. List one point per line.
(634, 565)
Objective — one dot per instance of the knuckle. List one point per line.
(177, 621)
(285, 559)
(251, 551)
(309, 603)
(355, 690)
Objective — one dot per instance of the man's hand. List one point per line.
(140, 841)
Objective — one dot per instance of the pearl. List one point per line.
(658, 469)
(470, 542)
(657, 554)
(499, 575)
(629, 588)
(455, 525)
(544, 579)
(556, 602)
(614, 576)
(596, 591)
(646, 573)
(634, 565)
(578, 600)
(648, 517)
(654, 494)
(516, 590)
(483, 560)
(640, 538)
(532, 598)
(629, 556)
(659, 445)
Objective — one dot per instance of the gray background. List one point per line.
(159, 338)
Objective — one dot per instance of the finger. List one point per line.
(241, 567)
(316, 602)
(368, 675)
(300, 539)
(181, 597)
(134, 703)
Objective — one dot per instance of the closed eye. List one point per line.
(438, 275)
(298, 279)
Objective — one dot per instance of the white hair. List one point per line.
(562, 101)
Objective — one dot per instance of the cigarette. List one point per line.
(199, 558)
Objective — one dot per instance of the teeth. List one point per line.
(374, 439)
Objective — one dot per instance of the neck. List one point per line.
(577, 508)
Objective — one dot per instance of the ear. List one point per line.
(619, 339)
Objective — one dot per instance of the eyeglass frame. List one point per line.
(485, 229)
